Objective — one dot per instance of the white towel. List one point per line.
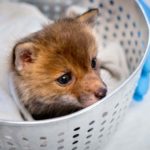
(16, 21)
(114, 66)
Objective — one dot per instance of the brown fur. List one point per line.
(68, 45)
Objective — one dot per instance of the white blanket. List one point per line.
(17, 21)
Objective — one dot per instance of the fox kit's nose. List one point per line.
(100, 93)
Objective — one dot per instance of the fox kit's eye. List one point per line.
(65, 78)
(93, 63)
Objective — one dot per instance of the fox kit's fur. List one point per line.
(55, 69)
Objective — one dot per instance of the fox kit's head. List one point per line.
(55, 69)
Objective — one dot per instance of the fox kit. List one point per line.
(55, 69)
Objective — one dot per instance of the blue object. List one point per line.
(143, 83)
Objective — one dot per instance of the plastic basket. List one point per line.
(90, 129)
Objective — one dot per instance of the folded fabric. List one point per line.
(8, 109)
(17, 21)
(114, 68)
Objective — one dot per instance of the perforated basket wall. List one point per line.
(90, 129)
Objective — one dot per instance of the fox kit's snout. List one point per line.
(92, 88)
(55, 69)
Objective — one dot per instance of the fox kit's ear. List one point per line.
(89, 17)
(23, 55)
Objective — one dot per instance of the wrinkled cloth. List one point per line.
(17, 21)
(114, 69)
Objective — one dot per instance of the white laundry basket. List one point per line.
(89, 129)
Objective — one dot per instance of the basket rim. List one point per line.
(70, 116)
